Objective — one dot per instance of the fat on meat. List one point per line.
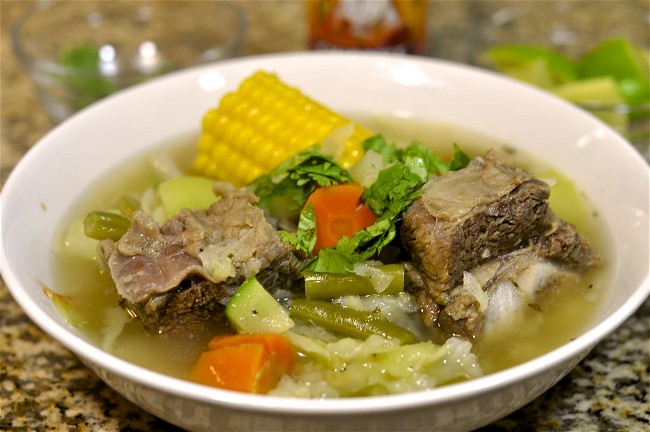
(487, 213)
(184, 271)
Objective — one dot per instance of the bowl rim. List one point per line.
(578, 347)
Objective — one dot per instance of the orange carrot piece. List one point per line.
(339, 212)
(252, 363)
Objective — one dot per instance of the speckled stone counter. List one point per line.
(44, 387)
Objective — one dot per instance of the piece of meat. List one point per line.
(469, 217)
(186, 270)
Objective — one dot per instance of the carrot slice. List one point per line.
(252, 363)
(339, 212)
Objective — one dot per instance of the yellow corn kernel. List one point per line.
(262, 124)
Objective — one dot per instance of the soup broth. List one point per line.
(86, 295)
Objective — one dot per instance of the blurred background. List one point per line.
(456, 30)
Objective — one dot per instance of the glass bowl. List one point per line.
(77, 52)
(573, 29)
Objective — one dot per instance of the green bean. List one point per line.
(102, 225)
(332, 285)
(348, 322)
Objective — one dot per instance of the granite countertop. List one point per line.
(45, 387)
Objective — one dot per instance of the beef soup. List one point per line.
(503, 260)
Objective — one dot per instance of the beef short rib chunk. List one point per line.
(468, 217)
(184, 272)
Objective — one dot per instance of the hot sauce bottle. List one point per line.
(378, 25)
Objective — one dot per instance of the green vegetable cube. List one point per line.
(252, 309)
(186, 192)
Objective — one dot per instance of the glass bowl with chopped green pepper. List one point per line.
(595, 54)
(77, 52)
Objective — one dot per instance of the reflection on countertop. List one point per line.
(45, 387)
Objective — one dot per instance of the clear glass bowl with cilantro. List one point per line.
(77, 52)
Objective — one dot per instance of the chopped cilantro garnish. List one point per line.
(396, 187)
(459, 159)
(331, 260)
(83, 57)
(305, 237)
(419, 158)
(378, 143)
(298, 177)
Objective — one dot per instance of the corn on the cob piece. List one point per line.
(263, 123)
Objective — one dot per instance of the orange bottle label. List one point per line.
(381, 25)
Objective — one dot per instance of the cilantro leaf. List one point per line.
(378, 143)
(394, 189)
(423, 161)
(416, 155)
(459, 159)
(330, 260)
(370, 241)
(90, 84)
(295, 179)
(84, 56)
(305, 237)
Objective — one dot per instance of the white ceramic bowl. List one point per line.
(58, 169)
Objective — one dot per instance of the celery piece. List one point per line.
(252, 309)
(348, 322)
(616, 57)
(102, 225)
(332, 285)
(601, 90)
(77, 243)
(535, 72)
(514, 56)
(190, 192)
